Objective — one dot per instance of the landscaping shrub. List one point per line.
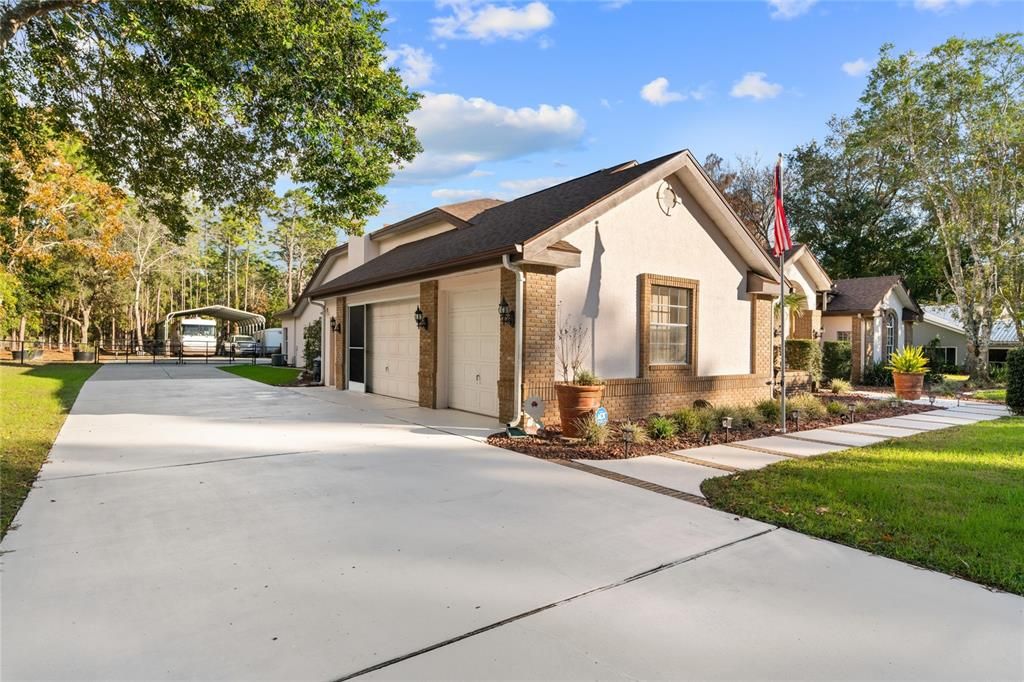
(768, 408)
(804, 354)
(1015, 380)
(999, 373)
(860, 407)
(839, 386)
(810, 407)
(835, 408)
(639, 435)
(837, 360)
(688, 419)
(743, 416)
(876, 374)
(591, 432)
(311, 343)
(945, 388)
(660, 428)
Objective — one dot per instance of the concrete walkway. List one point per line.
(685, 470)
(192, 524)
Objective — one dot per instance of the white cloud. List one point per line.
(614, 4)
(480, 173)
(657, 93)
(470, 20)
(789, 9)
(857, 67)
(456, 194)
(459, 133)
(605, 103)
(415, 65)
(517, 188)
(940, 5)
(754, 85)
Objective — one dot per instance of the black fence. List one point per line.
(129, 352)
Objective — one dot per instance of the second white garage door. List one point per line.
(394, 349)
(473, 351)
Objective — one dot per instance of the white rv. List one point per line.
(197, 336)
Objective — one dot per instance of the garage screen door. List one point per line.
(394, 350)
(473, 351)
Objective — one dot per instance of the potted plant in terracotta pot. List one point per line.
(908, 367)
(579, 393)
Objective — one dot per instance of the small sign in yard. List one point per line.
(601, 416)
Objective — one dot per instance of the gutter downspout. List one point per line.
(323, 341)
(518, 373)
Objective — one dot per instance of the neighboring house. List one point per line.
(875, 314)
(674, 293)
(809, 280)
(942, 322)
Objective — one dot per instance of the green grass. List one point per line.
(950, 500)
(33, 404)
(265, 374)
(956, 377)
(991, 394)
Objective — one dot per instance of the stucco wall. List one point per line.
(387, 243)
(924, 332)
(834, 325)
(637, 237)
(802, 285)
(296, 325)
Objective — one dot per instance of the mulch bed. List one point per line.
(549, 444)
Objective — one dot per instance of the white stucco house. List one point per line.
(942, 322)
(875, 314)
(459, 306)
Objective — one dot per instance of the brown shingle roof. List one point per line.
(861, 294)
(467, 210)
(495, 231)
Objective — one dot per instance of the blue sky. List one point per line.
(522, 95)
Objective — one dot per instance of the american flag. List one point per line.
(783, 240)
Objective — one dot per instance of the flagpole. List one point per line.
(782, 324)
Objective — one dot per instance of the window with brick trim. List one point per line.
(844, 336)
(670, 321)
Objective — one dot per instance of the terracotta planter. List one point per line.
(908, 386)
(575, 402)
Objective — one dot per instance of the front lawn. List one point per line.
(34, 400)
(266, 374)
(998, 394)
(949, 500)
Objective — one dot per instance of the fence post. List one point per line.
(23, 351)
(96, 353)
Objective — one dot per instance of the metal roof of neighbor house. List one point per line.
(221, 312)
(863, 294)
(493, 232)
(1003, 331)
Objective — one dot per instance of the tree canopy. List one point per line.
(216, 97)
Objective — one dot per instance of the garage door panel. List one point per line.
(473, 351)
(393, 347)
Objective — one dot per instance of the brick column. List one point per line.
(807, 322)
(856, 350)
(506, 352)
(428, 345)
(337, 343)
(761, 335)
(538, 336)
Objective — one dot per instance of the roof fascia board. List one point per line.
(427, 217)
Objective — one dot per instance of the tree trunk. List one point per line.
(86, 314)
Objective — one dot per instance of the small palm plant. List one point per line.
(909, 360)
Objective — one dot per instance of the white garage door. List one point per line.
(473, 351)
(394, 350)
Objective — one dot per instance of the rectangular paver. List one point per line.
(839, 437)
(914, 424)
(732, 456)
(874, 429)
(971, 414)
(670, 473)
(792, 446)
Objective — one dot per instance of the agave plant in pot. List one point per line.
(908, 367)
(579, 393)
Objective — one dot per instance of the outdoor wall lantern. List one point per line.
(506, 314)
(335, 327)
(421, 320)
(727, 425)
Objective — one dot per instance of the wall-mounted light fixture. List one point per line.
(506, 314)
(335, 327)
(421, 320)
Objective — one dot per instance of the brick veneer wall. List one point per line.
(507, 352)
(762, 326)
(538, 336)
(428, 345)
(337, 343)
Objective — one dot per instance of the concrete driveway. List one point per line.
(191, 524)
